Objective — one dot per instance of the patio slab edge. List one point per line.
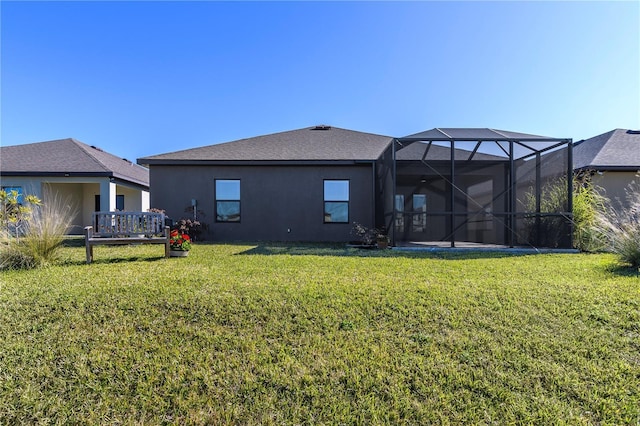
(514, 250)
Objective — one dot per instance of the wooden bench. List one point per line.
(126, 228)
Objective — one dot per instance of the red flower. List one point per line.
(178, 240)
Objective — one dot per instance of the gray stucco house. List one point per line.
(442, 186)
(91, 178)
(614, 156)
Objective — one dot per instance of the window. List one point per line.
(419, 213)
(399, 212)
(336, 201)
(120, 202)
(227, 200)
(18, 189)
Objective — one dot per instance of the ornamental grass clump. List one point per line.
(588, 202)
(621, 227)
(42, 237)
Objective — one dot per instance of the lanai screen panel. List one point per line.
(423, 193)
(504, 191)
(384, 189)
(542, 199)
(481, 195)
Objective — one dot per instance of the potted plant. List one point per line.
(382, 240)
(180, 244)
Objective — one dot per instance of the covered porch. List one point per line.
(86, 195)
(479, 188)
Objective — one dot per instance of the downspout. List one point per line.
(453, 195)
(512, 197)
(374, 194)
(393, 196)
(538, 223)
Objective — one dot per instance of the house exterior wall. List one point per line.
(30, 185)
(71, 193)
(47, 187)
(615, 184)
(90, 190)
(278, 203)
(132, 199)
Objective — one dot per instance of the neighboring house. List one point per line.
(614, 156)
(93, 179)
(313, 184)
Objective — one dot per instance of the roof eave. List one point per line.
(132, 182)
(119, 177)
(634, 169)
(56, 174)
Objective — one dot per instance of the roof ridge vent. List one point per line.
(96, 148)
(633, 132)
(321, 127)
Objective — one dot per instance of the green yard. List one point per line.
(255, 334)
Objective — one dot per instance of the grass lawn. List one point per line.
(276, 334)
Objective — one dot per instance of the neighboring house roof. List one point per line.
(618, 149)
(68, 157)
(318, 143)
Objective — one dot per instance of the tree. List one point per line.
(14, 211)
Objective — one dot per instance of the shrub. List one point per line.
(621, 227)
(588, 203)
(43, 236)
(368, 236)
(14, 256)
(192, 228)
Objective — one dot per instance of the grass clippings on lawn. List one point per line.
(309, 334)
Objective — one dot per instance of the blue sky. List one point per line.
(143, 78)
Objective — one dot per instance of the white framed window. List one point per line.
(227, 199)
(336, 201)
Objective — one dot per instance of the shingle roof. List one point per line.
(68, 156)
(474, 134)
(307, 144)
(618, 149)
